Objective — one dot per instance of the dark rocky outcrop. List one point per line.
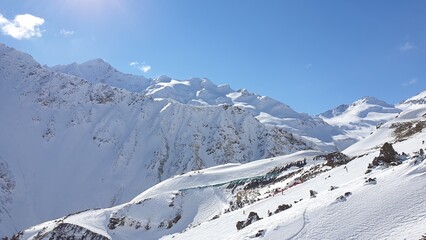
(404, 130)
(114, 222)
(282, 207)
(252, 217)
(260, 233)
(370, 181)
(387, 157)
(334, 159)
(71, 232)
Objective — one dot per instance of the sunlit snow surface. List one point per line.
(63, 138)
(393, 208)
(68, 143)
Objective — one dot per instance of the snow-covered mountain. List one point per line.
(373, 190)
(99, 71)
(85, 136)
(202, 92)
(358, 120)
(63, 138)
(337, 111)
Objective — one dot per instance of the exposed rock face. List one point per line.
(405, 130)
(63, 231)
(388, 156)
(334, 159)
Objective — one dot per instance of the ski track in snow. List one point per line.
(303, 226)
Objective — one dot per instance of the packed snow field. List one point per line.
(203, 161)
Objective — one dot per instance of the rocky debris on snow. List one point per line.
(169, 224)
(118, 220)
(252, 217)
(71, 231)
(242, 198)
(114, 222)
(370, 181)
(260, 233)
(273, 175)
(334, 159)
(404, 130)
(419, 156)
(64, 231)
(282, 207)
(343, 197)
(313, 193)
(333, 188)
(215, 217)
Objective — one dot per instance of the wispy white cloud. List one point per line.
(410, 82)
(145, 68)
(308, 65)
(22, 26)
(141, 66)
(406, 46)
(66, 33)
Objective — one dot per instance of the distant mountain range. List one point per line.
(85, 136)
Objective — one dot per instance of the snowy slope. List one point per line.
(69, 143)
(63, 138)
(99, 71)
(209, 203)
(202, 92)
(359, 119)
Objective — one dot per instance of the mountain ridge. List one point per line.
(82, 136)
(296, 196)
(107, 139)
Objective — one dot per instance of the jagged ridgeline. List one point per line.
(198, 156)
(115, 134)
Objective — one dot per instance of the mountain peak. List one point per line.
(98, 63)
(335, 111)
(417, 99)
(372, 101)
(162, 79)
(99, 71)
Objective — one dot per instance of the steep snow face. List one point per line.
(409, 124)
(359, 119)
(67, 144)
(202, 92)
(419, 99)
(337, 111)
(413, 107)
(298, 196)
(367, 111)
(99, 71)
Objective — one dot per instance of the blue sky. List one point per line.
(311, 55)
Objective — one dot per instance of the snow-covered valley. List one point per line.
(187, 159)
